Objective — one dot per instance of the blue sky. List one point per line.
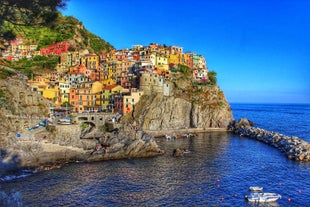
(259, 49)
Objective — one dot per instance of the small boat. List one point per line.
(64, 121)
(255, 188)
(263, 197)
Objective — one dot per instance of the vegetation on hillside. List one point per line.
(212, 77)
(65, 28)
(4, 73)
(27, 13)
(39, 23)
(38, 65)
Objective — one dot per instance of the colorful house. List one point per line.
(56, 48)
(64, 89)
(129, 101)
(82, 98)
(51, 94)
(107, 95)
(162, 61)
(109, 73)
(91, 61)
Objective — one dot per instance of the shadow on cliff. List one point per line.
(8, 165)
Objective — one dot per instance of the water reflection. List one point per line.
(217, 172)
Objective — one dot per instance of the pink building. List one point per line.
(56, 49)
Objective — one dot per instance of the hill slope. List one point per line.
(64, 29)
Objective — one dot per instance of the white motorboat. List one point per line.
(263, 197)
(255, 188)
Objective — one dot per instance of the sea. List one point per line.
(218, 171)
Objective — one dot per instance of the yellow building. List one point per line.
(91, 61)
(64, 89)
(51, 94)
(39, 84)
(131, 100)
(109, 73)
(162, 61)
(96, 90)
(174, 59)
(96, 87)
(107, 93)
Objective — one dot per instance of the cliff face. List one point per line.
(20, 108)
(201, 107)
(60, 144)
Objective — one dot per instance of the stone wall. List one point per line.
(293, 147)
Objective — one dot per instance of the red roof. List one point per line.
(109, 87)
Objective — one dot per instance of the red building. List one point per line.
(56, 49)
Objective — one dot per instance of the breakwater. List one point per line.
(293, 147)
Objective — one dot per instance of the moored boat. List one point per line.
(263, 197)
(255, 188)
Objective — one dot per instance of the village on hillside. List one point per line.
(112, 81)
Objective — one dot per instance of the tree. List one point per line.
(27, 13)
(66, 104)
(212, 77)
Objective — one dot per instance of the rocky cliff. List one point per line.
(188, 106)
(20, 108)
(60, 144)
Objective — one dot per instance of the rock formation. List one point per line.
(179, 152)
(293, 147)
(187, 106)
(19, 107)
(202, 107)
(64, 144)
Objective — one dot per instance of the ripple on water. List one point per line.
(217, 172)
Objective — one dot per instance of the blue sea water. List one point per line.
(217, 172)
(288, 119)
